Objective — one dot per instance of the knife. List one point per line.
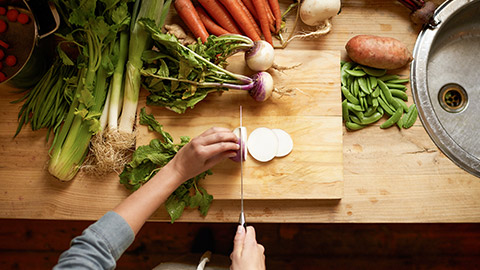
(241, 219)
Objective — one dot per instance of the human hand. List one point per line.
(204, 151)
(247, 253)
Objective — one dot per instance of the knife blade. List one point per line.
(241, 219)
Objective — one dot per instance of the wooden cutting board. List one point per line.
(312, 115)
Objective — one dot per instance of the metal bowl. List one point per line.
(445, 76)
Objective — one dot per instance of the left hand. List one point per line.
(204, 151)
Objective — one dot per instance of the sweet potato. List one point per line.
(378, 52)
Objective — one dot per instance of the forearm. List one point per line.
(141, 204)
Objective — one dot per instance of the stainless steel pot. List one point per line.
(24, 41)
(445, 77)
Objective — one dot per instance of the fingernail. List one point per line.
(240, 229)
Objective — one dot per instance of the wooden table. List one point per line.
(389, 175)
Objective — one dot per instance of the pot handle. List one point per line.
(56, 18)
(44, 19)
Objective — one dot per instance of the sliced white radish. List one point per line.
(243, 139)
(262, 144)
(285, 142)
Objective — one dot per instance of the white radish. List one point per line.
(285, 142)
(316, 12)
(262, 144)
(242, 140)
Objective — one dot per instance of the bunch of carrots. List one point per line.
(253, 18)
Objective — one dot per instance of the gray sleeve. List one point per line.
(99, 246)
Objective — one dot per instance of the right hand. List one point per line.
(247, 253)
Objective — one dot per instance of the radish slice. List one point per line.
(285, 142)
(243, 139)
(262, 144)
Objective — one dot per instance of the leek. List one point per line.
(140, 41)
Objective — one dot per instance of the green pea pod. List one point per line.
(396, 105)
(363, 85)
(356, 120)
(399, 94)
(370, 111)
(369, 100)
(349, 81)
(353, 126)
(398, 81)
(349, 95)
(380, 110)
(389, 77)
(345, 110)
(355, 72)
(400, 123)
(374, 71)
(344, 75)
(393, 119)
(363, 102)
(375, 102)
(411, 117)
(386, 92)
(354, 107)
(373, 82)
(356, 88)
(402, 103)
(371, 119)
(396, 86)
(385, 106)
(376, 92)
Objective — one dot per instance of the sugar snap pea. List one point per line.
(393, 119)
(411, 117)
(399, 94)
(370, 111)
(356, 120)
(385, 106)
(376, 92)
(349, 96)
(373, 82)
(345, 110)
(356, 73)
(402, 103)
(374, 71)
(396, 86)
(353, 126)
(389, 77)
(386, 91)
(371, 119)
(398, 81)
(370, 93)
(354, 107)
(363, 85)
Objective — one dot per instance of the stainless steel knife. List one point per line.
(241, 219)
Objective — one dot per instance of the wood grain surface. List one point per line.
(314, 169)
(389, 175)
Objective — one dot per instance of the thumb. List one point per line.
(239, 240)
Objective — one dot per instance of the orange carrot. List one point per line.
(251, 8)
(260, 6)
(275, 7)
(218, 13)
(190, 16)
(241, 17)
(271, 18)
(212, 27)
(250, 17)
